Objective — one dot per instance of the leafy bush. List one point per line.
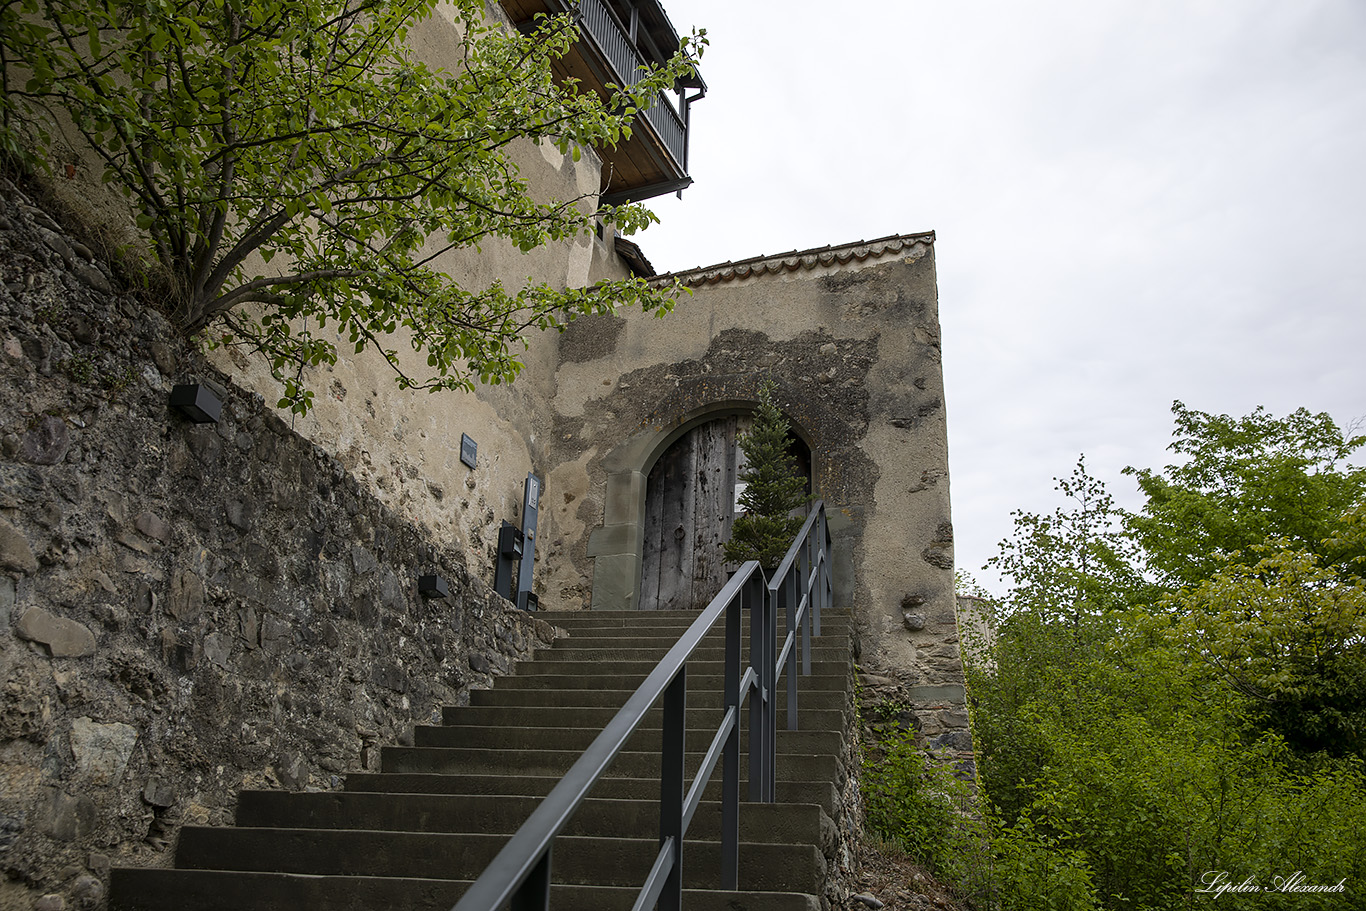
(912, 801)
(1033, 872)
(1155, 739)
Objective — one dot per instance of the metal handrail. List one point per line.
(802, 585)
(521, 870)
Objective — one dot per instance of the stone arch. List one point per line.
(618, 545)
(690, 496)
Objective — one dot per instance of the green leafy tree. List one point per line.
(1289, 634)
(774, 489)
(297, 169)
(1244, 482)
(1074, 562)
(1146, 739)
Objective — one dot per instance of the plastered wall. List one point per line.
(854, 352)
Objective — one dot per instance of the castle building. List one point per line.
(193, 609)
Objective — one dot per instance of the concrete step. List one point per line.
(596, 718)
(647, 619)
(644, 740)
(836, 625)
(579, 860)
(586, 679)
(220, 890)
(632, 652)
(663, 642)
(641, 668)
(818, 793)
(698, 698)
(479, 761)
(660, 644)
(494, 814)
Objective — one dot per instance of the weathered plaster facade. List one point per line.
(850, 337)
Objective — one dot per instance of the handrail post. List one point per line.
(829, 570)
(822, 539)
(671, 786)
(770, 703)
(791, 595)
(808, 588)
(730, 757)
(534, 892)
(758, 746)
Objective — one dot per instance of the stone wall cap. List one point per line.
(799, 260)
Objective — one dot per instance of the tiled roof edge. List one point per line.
(798, 260)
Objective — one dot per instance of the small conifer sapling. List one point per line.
(774, 490)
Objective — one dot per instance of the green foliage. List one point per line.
(1118, 752)
(911, 800)
(1138, 742)
(774, 489)
(1244, 482)
(297, 169)
(1034, 872)
(1075, 562)
(1288, 633)
(915, 801)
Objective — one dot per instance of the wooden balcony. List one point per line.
(616, 38)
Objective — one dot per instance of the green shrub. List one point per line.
(1034, 872)
(910, 800)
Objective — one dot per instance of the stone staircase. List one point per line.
(414, 835)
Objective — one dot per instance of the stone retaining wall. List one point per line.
(186, 610)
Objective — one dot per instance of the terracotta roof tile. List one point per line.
(800, 260)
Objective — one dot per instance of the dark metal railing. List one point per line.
(613, 42)
(801, 587)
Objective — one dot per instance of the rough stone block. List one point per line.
(152, 525)
(953, 740)
(7, 601)
(102, 751)
(158, 792)
(63, 816)
(951, 692)
(187, 595)
(218, 649)
(47, 442)
(15, 552)
(63, 638)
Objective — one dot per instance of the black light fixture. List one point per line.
(197, 402)
(433, 587)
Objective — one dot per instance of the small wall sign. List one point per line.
(469, 450)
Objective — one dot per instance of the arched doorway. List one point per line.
(690, 496)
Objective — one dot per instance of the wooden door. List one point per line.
(689, 506)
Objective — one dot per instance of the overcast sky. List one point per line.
(1135, 202)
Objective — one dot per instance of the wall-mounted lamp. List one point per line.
(433, 587)
(197, 402)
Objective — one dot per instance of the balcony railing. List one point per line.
(613, 42)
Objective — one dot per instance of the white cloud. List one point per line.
(1135, 202)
